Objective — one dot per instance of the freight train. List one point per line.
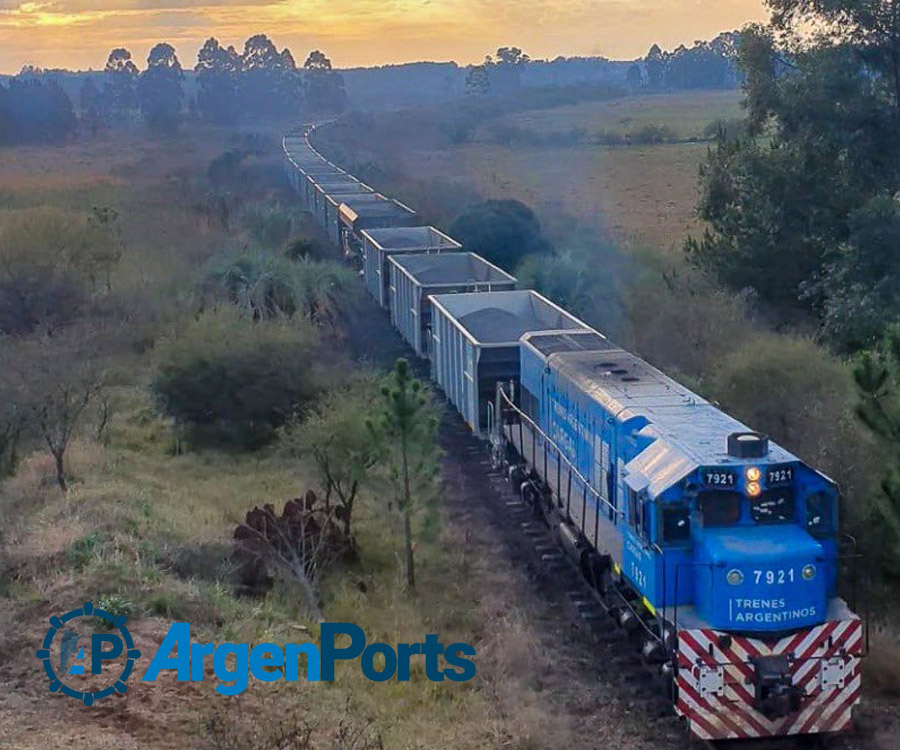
(715, 549)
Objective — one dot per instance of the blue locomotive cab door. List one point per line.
(639, 559)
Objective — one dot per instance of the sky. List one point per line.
(78, 34)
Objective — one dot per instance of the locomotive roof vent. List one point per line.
(747, 445)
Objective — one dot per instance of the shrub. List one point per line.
(269, 226)
(730, 129)
(115, 604)
(50, 262)
(344, 450)
(261, 283)
(503, 231)
(269, 286)
(228, 380)
(83, 550)
(225, 168)
(652, 133)
(587, 285)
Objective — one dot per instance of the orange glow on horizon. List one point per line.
(78, 34)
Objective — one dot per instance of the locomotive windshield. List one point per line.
(719, 508)
(774, 506)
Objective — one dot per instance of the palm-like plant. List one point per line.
(268, 286)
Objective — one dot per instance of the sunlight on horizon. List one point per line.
(78, 34)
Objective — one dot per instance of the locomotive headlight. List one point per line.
(808, 572)
(735, 577)
(753, 474)
(753, 489)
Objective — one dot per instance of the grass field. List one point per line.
(643, 196)
(687, 113)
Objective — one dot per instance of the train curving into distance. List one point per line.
(715, 549)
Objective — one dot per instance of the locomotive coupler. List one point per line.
(776, 695)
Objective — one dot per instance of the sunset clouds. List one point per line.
(80, 33)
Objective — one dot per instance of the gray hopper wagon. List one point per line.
(313, 176)
(378, 244)
(414, 278)
(475, 344)
(360, 212)
(335, 186)
(332, 203)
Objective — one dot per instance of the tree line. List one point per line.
(706, 64)
(259, 82)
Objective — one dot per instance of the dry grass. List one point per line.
(138, 505)
(687, 113)
(644, 196)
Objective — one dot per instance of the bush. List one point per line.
(269, 226)
(116, 604)
(227, 380)
(680, 321)
(587, 285)
(651, 134)
(225, 168)
(730, 129)
(268, 286)
(503, 231)
(50, 263)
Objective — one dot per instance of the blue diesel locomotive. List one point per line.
(715, 549)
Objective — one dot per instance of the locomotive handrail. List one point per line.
(560, 457)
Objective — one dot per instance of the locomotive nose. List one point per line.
(760, 578)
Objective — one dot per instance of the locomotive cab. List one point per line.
(763, 541)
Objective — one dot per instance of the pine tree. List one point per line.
(407, 422)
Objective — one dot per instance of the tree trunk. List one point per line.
(407, 522)
(60, 471)
(410, 560)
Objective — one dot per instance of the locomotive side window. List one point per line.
(633, 509)
(719, 508)
(676, 523)
(819, 514)
(774, 506)
(646, 511)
